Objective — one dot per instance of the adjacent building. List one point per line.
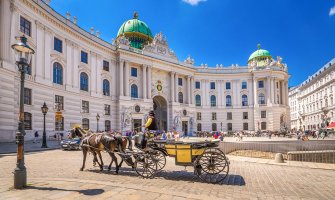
(81, 75)
(313, 100)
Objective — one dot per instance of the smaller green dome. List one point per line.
(259, 53)
(136, 31)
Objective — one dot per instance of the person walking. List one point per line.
(35, 136)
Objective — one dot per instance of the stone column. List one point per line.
(286, 93)
(281, 92)
(126, 77)
(149, 82)
(275, 91)
(268, 90)
(69, 65)
(5, 27)
(255, 92)
(144, 81)
(99, 63)
(189, 89)
(172, 86)
(176, 87)
(203, 92)
(121, 64)
(272, 90)
(207, 93)
(93, 78)
(75, 81)
(47, 49)
(39, 72)
(192, 90)
(219, 88)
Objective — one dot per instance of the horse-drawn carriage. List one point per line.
(209, 162)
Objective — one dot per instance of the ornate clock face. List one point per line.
(159, 86)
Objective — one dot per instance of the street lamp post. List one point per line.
(23, 55)
(98, 117)
(44, 109)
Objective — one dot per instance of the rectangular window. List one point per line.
(27, 121)
(107, 125)
(134, 72)
(214, 116)
(180, 81)
(58, 45)
(85, 123)
(197, 85)
(107, 109)
(27, 96)
(59, 102)
(84, 57)
(229, 115)
(263, 125)
(214, 127)
(59, 124)
(25, 26)
(105, 66)
(228, 86)
(85, 107)
(245, 126)
(263, 114)
(198, 127)
(244, 85)
(245, 115)
(229, 126)
(260, 84)
(212, 85)
(198, 115)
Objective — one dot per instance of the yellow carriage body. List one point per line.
(184, 153)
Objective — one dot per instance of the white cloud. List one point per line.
(193, 2)
(332, 11)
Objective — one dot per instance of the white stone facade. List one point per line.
(158, 70)
(313, 98)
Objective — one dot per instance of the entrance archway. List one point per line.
(160, 109)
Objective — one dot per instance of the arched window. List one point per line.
(213, 101)
(134, 91)
(105, 87)
(261, 98)
(27, 121)
(180, 97)
(85, 123)
(198, 127)
(228, 100)
(84, 81)
(197, 100)
(244, 100)
(58, 73)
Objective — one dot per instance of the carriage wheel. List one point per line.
(145, 165)
(212, 166)
(159, 158)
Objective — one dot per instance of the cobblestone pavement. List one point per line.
(55, 175)
(11, 147)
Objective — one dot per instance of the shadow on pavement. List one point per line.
(231, 179)
(88, 192)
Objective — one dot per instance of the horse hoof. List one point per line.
(81, 169)
(109, 168)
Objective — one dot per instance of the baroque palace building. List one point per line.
(313, 100)
(81, 75)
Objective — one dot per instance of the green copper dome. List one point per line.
(259, 55)
(136, 31)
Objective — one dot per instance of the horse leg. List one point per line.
(84, 159)
(116, 165)
(120, 163)
(110, 164)
(96, 158)
(102, 162)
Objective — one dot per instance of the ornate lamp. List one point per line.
(44, 109)
(23, 54)
(98, 118)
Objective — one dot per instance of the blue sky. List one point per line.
(224, 31)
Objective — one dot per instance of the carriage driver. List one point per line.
(151, 125)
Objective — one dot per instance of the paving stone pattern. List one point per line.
(55, 175)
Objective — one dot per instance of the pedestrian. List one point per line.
(35, 136)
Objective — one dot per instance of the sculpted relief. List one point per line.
(160, 46)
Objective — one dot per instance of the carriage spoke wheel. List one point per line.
(212, 166)
(159, 159)
(145, 165)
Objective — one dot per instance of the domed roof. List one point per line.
(136, 30)
(259, 53)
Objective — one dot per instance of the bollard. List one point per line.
(279, 158)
